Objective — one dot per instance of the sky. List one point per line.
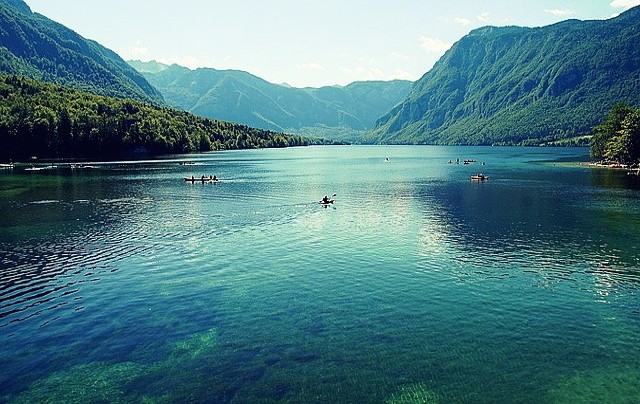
(305, 43)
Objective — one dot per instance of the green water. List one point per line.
(123, 283)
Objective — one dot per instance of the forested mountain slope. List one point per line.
(37, 47)
(515, 85)
(238, 96)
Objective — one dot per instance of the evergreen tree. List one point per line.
(48, 120)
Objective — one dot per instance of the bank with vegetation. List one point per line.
(616, 141)
(48, 120)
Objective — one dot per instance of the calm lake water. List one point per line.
(122, 283)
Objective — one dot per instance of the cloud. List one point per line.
(462, 21)
(141, 52)
(434, 45)
(400, 74)
(484, 17)
(400, 56)
(364, 73)
(624, 4)
(558, 12)
(137, 51)
(189, 61)
(310, 66)
(375, 74)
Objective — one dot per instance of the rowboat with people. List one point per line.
(479, 177)
(203, 179)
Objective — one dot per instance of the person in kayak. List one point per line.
(325, 199)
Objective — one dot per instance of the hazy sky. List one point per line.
(305, 42)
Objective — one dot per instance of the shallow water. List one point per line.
(122, 282)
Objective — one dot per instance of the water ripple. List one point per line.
(416, 283)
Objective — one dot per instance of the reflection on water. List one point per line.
(124, 283)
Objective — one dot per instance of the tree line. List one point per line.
(617, 139)
(48, 120)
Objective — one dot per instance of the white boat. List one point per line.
(40, 168)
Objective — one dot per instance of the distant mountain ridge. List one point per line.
(37, 47)
(238, 96)
(514, 85)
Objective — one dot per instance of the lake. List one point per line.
(121, 282)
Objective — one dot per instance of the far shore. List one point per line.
(613, 165)
(610, 165)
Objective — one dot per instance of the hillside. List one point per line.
(238, 96)
(515, 85)
(49, 120)
(37, 47)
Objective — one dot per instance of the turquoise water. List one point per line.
(123, 283)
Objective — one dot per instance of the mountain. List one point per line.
(37, 47)
(238, 96)
(514, 85)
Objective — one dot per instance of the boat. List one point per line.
(201, 179)
(197, 179)
(33, 168)
(7, 166)
(80, 166)
(479, 177)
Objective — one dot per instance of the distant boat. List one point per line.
(7, 166)
(75, 166)
(201, 179)
(479, 177)
(40, 168)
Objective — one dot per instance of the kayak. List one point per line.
(325, 201)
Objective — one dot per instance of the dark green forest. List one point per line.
(48, 120)
(617, 139)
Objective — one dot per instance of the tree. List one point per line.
(47, 120)
(629, 139)
(603, 141)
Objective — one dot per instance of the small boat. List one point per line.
(479, 177)
(197, 179)
(201, 179)
(33, 168)
(80, 166)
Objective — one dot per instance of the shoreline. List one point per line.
(613, 166)
(631, 170)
